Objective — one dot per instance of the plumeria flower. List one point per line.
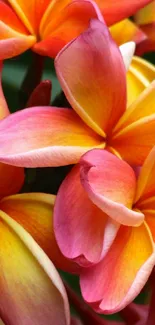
(92, 74)
(31, 289)
(46, 26)
(145, 19)
(104, 218)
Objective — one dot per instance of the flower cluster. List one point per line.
(100, 225)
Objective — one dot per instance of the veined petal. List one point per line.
(110, 184)
(113, 283)
(114, 11)
(146, 183)
(34, 212)
(83, 232)
(69, 19)
(125, 31)
(92, 75)
(4, 111)
(44, 136)
(13, 43)
(141, 73)
(30, 12)
(31, 289)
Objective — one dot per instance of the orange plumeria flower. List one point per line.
(104, 219)
(92, 74)
(46, 26)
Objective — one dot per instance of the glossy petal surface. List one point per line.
(96, 89)
(110, 184)
(83, 232)
(113, 283)
(45, 136)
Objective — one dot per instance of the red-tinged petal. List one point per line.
(45, 136)
(4, 111)
(13, 43)
(114, 11)
(149, 44)
(110, 184)
(113, 283)
(146, 180)
(92, 75)
(9, 17)
(30, 12)
(41, 95)
(126, 31)
(34, 212)
(139, 76)
(146, 15)
(83, 232)
(12, 179)
(63, 21)
(31, 289)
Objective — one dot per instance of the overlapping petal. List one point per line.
(44, 136)
(141, 73)
(31, 289)
(125, 31)
(34, 212)
(83, 232)
(97, 87)
(114, 11)
(134, 135)
(114, 282)
(110, 184)
(69, 19)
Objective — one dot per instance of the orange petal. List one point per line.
(67, 22)
(139, 76)
(146, 15)
(13, 43)
(57, 136)
(110, 184)
(31, 291)
(84, 233)
(146, 183)
(150, 220)
(126, 31)
(134, 135)
(88, 74)
(114, 11)
(9, 17)
(30, 12)
(4, 111)
(113, 283)
(34, 212)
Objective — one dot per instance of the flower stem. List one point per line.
(32, 78)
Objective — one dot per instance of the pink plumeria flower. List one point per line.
(104, 219)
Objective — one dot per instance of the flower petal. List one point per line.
(30, 12)
(31, 289)
(4, 111)
(12, 179)
(92, 75)
(125, 31)
(110, 184)
(146, 15)
(114, 11)
(83, 232)
(119, 277)
(13, 43)
(146, 183)
(127, 50)
(34, 212)
(69, 19)
(134, 135)
(139, 76)
(44, 136)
